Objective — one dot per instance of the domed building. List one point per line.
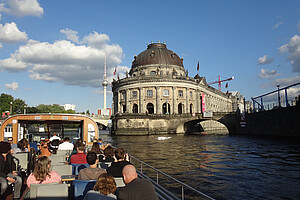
(157, 90)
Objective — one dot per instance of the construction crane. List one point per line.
(220, 81)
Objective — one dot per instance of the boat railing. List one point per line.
(183, 185)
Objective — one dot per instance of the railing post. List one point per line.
(142, 167)
(286, 98)
(182, 192)
(157, 177)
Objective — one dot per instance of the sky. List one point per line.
(53, 51)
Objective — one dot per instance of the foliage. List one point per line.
(18, 105)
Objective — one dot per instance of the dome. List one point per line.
(157, 53)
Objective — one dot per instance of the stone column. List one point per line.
(128, 106)
(198, 101)
(187, 106)
(158, 104)
(119, 102)
(173, 101)
(140, 100)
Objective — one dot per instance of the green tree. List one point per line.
(88, 112)
(5, 100)
(18, 106)
(55, 108)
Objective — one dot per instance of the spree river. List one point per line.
(222, 166)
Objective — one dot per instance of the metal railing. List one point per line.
(183, 185)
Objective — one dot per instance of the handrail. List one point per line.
(181, 183)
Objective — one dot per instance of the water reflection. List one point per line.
(222, 166)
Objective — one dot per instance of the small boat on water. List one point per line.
(164, 138)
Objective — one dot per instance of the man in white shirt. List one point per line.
(54, 137)
(66, 145)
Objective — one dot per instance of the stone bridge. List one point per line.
(101, 120)
(145, 124)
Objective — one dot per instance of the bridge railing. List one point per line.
(275, 99)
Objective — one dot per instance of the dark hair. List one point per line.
(119, 153)
(91, 158)
(67, 139)
(109, 151)
(81, 147)
(105, 184)
(4, 147)
(96, 148)
(20, 145)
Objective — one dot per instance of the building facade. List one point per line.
(158, 85)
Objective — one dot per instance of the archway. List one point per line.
(135, 108)
(166, 110)
(191, 108)
(150, 108)
(124, 108)
(180, 108)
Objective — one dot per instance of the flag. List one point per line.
(115, 71)
(198, 66)
(226, 86)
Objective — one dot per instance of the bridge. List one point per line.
(144, 124)
(101, 120)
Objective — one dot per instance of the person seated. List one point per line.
(108, 155)
(54, 137)
(8, 174)
(91, 172)
(120, 161)
(21, 147)
(13, 145)
(102, 146)
(66, 145)
(135, 188)
(79, 157)
(104, 188)
(42, 173)
(96, 148)
(45, 149)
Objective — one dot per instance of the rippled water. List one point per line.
(222, 166)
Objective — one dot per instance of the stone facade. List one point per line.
(158, 84)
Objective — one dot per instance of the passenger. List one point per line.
(92, 172)
(109, 153)
(26, 144)
(45, 149)
(104, 188)
(13, 145)
(54, 137)
(20, 147)
(42, 173)
(96, 148)
(66, 145)
(8, 174)
(102, 146)
(79, 157)
(74, 151)
(121, 160)
(135, 188)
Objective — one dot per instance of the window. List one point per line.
(149, 93)
(134, 94)
(166, 109)
(180, 93)
(191, 94)
(153, 73)
(123, 95)
(180, 108)
(135, 108)
(150, 108)
(166, 93)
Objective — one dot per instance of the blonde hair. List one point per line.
(41, 170)
(105, 184)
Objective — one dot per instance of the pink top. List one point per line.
(55, 177)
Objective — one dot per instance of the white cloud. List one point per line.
(21, 7)
(9, 33)
(287, 81)
(12, 86)
(293, 49)
(101, 91)
(264, 60)
(71, 35)
(96, 40)
(265, 73)
(277, 25)
(64, 61)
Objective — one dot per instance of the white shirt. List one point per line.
(54, 137)
(66, 146)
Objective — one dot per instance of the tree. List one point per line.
(5, 100)
(18, 106)
(88, 112)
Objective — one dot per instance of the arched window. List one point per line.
(180, 108)
(135, 108)
(191, 108)
(124, 108)
(164, 108)
(150, 108)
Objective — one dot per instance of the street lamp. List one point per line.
(10, 108)
(278, 96)
(25, 109)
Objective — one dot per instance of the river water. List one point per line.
(222, 166)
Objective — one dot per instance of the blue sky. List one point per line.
(53, 51)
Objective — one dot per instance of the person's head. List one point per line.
(5, 148)
(42, 168)
(67, 139)
(100, 140)
(92, 158)
(10, 140)
(96, 148)
(25, 142)
(105, 184)
(129, 173)
(81, 148)
(119, 153)
(21, 145)
(109, 151)
(54, 134)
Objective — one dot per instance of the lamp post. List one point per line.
(278, 96)
(10, 108)
(25, 109)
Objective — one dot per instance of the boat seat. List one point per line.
(23, 159)
(81, 187)
(77, 167)
(62, 169)
(50, 192)
(57, 159)
(33, 189)
(104, 165)
(119, 181)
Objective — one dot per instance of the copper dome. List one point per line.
(157, 53)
